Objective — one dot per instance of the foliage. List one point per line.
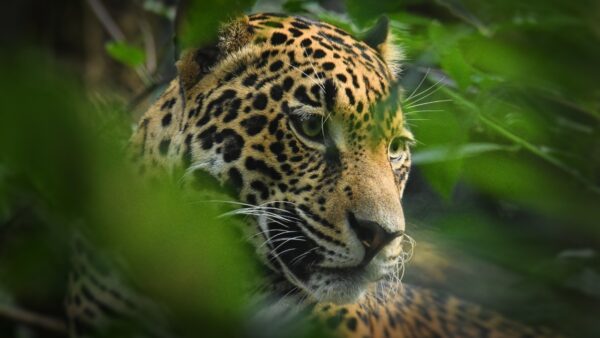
(129, 55)
(67, 172)
(502, 98)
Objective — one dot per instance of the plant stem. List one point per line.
(33, 319)
(522, 142)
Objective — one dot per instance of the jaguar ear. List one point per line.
(194, 63)
(378, 34)
(234, 35)
(380, 38)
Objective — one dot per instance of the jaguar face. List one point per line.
(289, 119)
(341, 227)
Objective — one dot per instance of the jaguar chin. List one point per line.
(349, 285)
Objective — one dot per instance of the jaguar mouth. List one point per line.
(337, 284)
(360, 274)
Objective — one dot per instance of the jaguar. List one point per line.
(297, 116)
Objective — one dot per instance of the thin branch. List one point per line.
(115, 32)
(150, 46)
(106, 20)
(33, 319)
(592, 186)
(540, 153)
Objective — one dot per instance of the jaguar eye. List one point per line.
(397, 148)
(309, 126)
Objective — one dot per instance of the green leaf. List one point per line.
(364, 12)
(441, 130)
(443, 177)
(448, 153)
(125, 53)
(47, 149)
(295, 6)
(458, 9)
(460, 71)
(588, 282)
(534, 184)
(5, 202)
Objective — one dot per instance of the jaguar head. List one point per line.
(290, 115)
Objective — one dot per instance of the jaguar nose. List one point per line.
(372, 236)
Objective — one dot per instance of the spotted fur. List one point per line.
(328, 206)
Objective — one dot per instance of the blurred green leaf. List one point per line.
(532, 183)
(448, 153)
(457, 8)
(70, 163)
(296, 6)
(40, 141)
(125, 53)
(366, 12)
(588, 281)
(5, 203)
(439, 130)
(457, 67)
(6, 297)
